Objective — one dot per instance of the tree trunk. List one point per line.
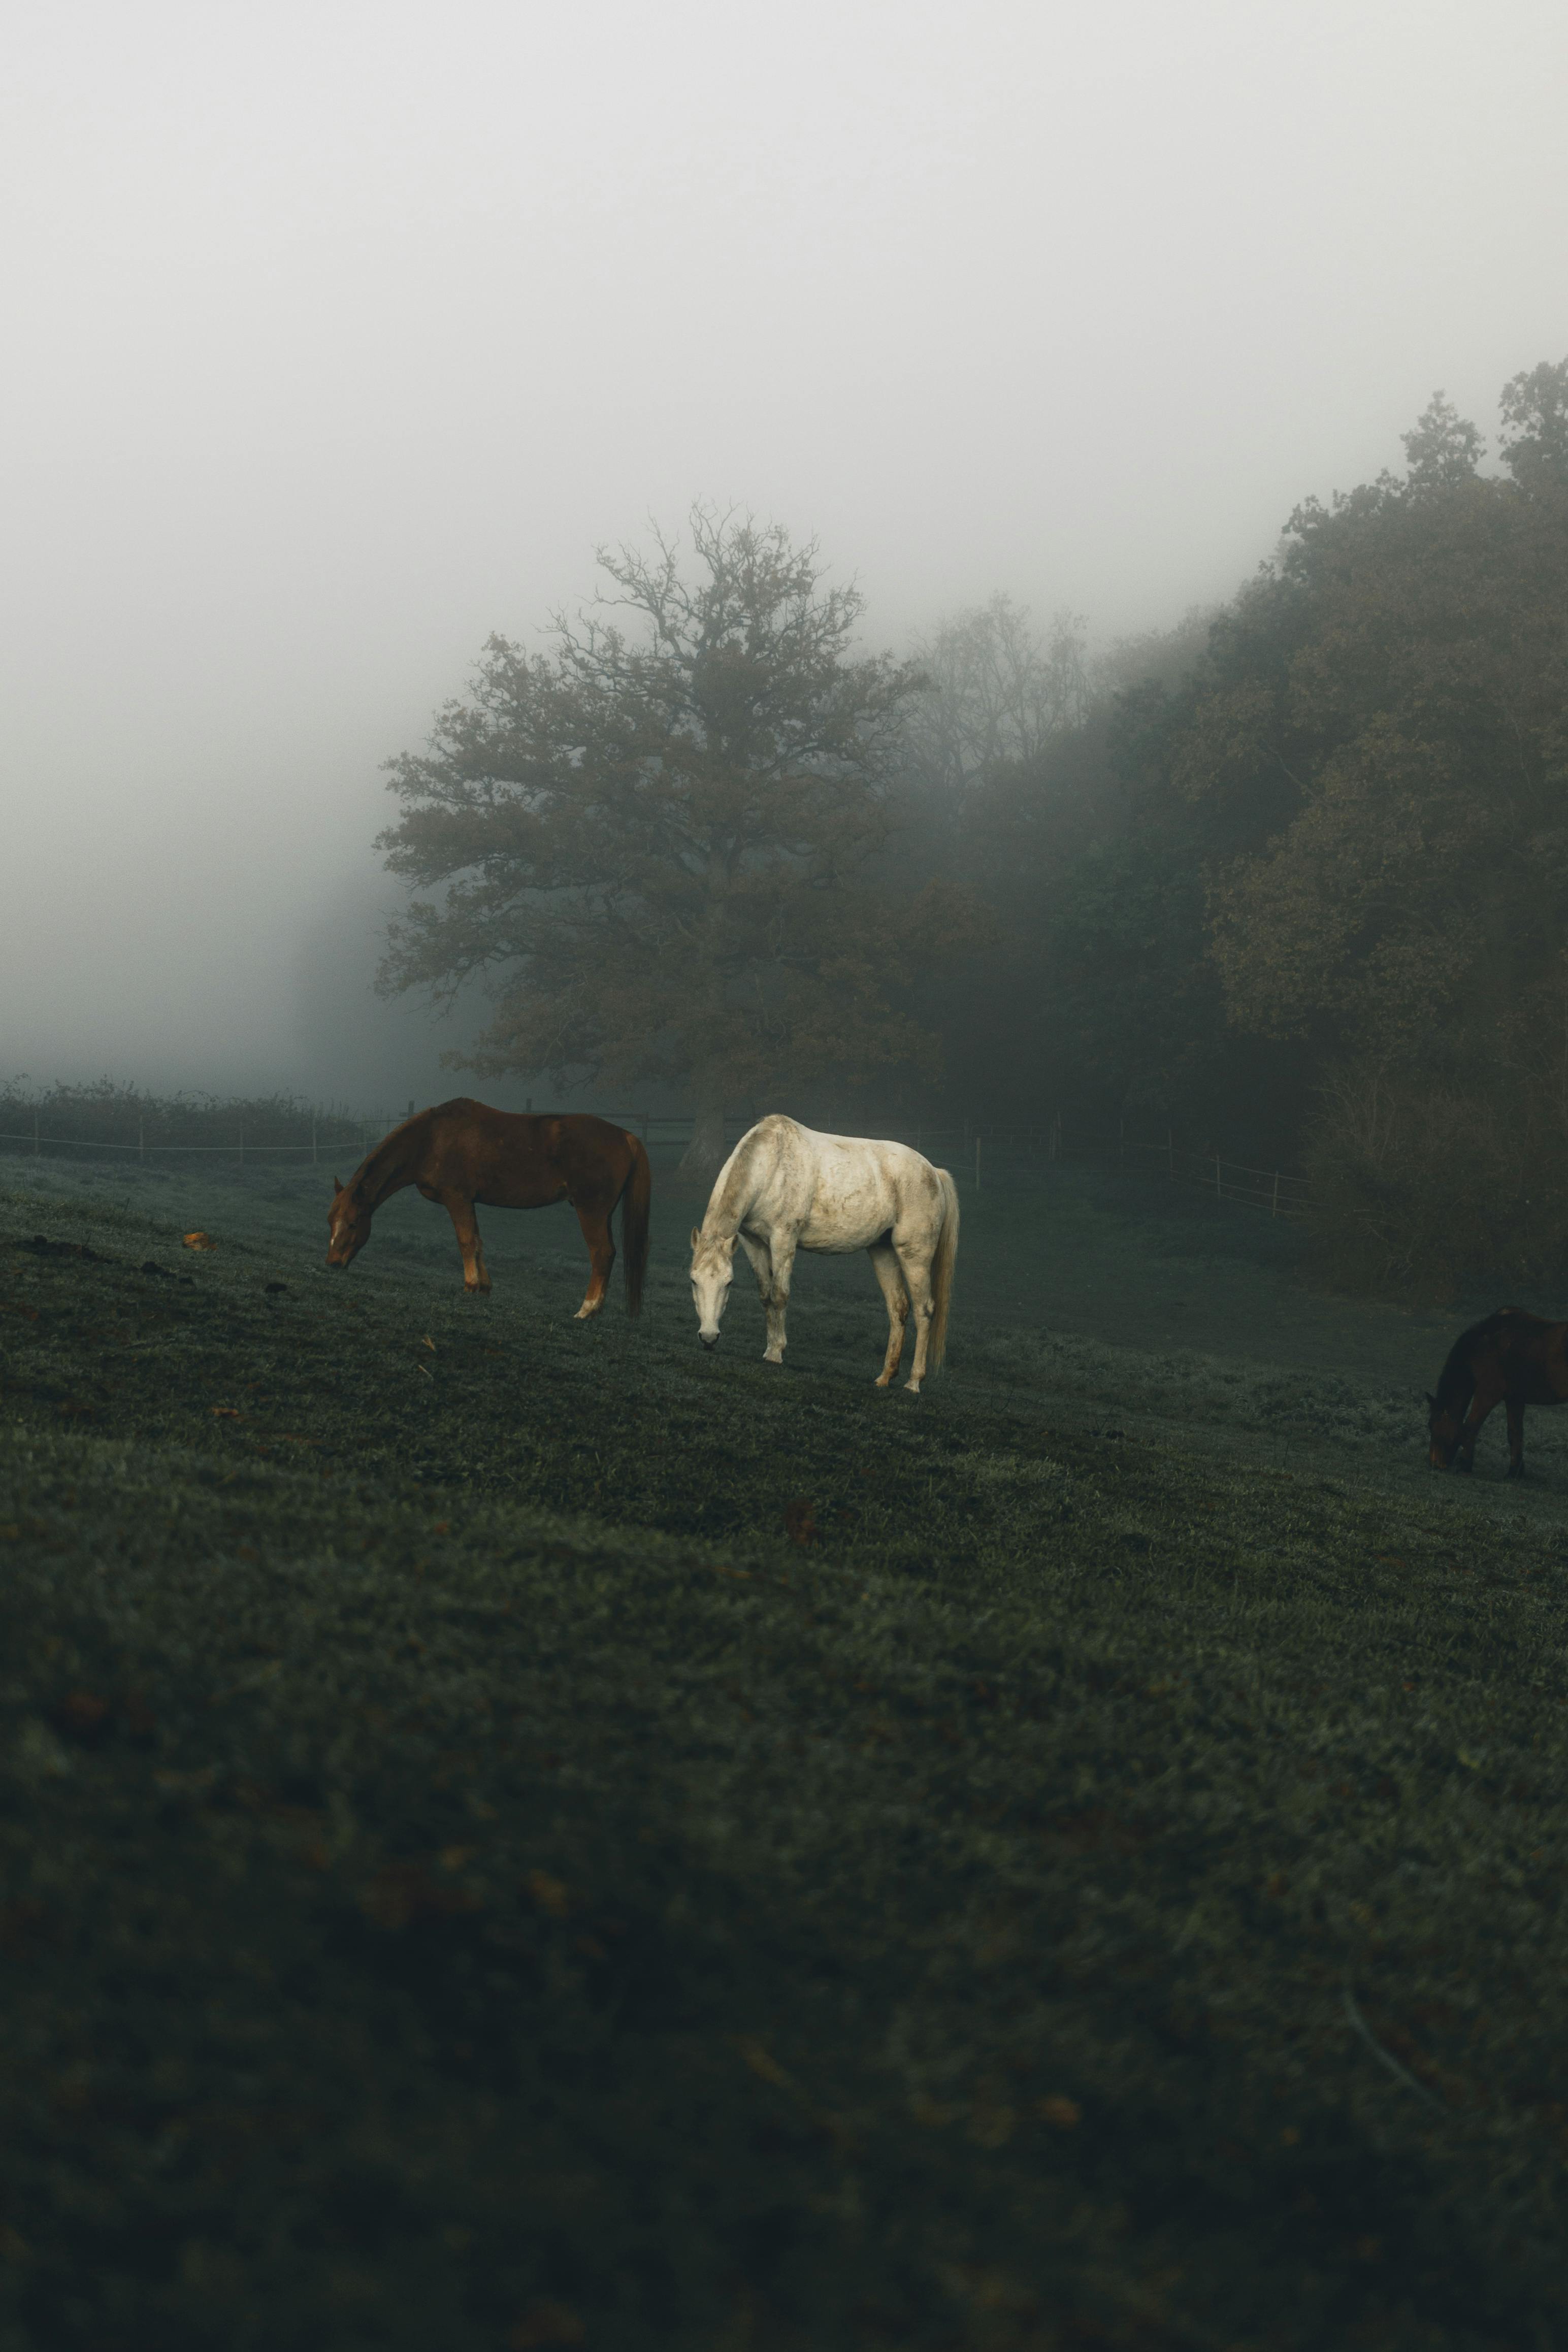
(706, 1154)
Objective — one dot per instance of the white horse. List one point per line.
(785, 1187)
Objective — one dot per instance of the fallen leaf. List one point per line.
(198, 1241)
(759, 2059)
(1062, 2111)
(81, 1716)
(546, 2323)
(930, 2112)
(225, 1412)
(549, 1892)
(992, 2127)
(800, 1521)
(403, 1891)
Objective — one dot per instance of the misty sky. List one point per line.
(338, 335)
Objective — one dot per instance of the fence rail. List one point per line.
(977, 1151)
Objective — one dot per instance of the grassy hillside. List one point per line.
(471, 1874)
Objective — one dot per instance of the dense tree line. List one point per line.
(1306, 893)
(1292, 879)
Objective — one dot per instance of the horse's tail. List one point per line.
(942, 1267)
(634, 1198)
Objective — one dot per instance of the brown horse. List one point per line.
(462, 1153)
(1511, 1358)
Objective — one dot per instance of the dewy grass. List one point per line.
(520, 1834)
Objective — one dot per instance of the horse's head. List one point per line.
(348, 1224)
(1444, 1431)
(712, 1271)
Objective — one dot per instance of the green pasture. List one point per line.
(515, 1833)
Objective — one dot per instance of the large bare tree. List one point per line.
(653, 838)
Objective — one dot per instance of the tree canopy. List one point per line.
(656, 838)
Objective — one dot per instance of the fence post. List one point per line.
(1274, 1212)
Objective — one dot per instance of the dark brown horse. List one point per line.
(1511, 1358)
(462, 1154)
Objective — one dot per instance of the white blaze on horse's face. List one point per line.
(347, 1228)
(712, 1271)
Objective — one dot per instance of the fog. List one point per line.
(338, 337)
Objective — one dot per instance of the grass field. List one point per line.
(469, 1876)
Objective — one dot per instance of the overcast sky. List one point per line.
(338, 335)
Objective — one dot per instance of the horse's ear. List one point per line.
(1430, 1399)
(337, 1188)
(696, 1235)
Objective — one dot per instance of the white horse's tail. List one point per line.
(942, 1267)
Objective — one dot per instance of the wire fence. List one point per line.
(976, 1153)
(334, 1136)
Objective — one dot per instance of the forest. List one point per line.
(1288, 880)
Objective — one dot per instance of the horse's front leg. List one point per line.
(773, 1261)
(1481, 1404)
(885, 1266)
(761, 1263)
(1515, 1439)
(466, 1225)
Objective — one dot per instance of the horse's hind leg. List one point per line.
(595, 1224)
(916, 1266)
(466, 1225)
(890, 1276)
(1515, 1439)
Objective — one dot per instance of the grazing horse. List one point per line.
(462, 1153)
(785, 1187)
(1511, 1358)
